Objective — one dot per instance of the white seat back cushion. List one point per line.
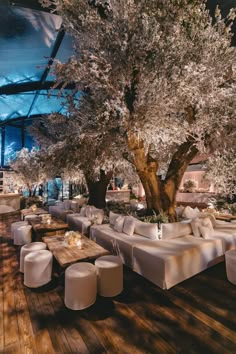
(119, 223)
(129, 225)
(211, 216)
(99, 215)
(146, 229)
(202, 227)
(175, 229)
(113, 217)
(195, 225)
(66, 204)
(190, 213)
(206, 228)
(83, 211)
(89, 211)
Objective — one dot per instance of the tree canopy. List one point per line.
(159, 86)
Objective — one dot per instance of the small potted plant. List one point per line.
(189, 185)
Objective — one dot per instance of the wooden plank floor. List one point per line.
(196, 316)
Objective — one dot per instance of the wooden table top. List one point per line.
(56, 224)
(66, 255)
(225, 217)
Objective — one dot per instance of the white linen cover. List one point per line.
(37, 268)
(109, 275)
(80, 286)
(78, 223)
(117, 243)
(175, 229)
(230, 263)
(227, 236)
(172, 261)
(59, 212)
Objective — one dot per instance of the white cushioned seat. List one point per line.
(16, 224)
(22, 235)
(38, 268)
(82, 221)
(117, 243)
(80, 286)
(230, 263)
(110, 275)
(26, 249)
(227, 236)
(169, 262)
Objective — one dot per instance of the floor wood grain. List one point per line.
(196, 316)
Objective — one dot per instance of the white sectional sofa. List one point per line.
(62, 209)
(83, 220)
(165, 261)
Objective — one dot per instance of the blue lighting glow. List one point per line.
(26, 48)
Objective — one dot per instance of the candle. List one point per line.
(79, 244)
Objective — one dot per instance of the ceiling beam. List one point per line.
(19, 119)
(12, 89)
(55, 49)
(29, 4)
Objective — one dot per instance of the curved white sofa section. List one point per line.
(83, 220)
(166, 262)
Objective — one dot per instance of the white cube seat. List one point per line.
(230, 263)
(38, 268)
(110, 275)
(22, 235)
(80, 286)
(15, 225)
(28, 248)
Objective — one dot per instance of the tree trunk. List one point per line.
(146, 168)
(161, 195)
(177, 167)
(97, 190)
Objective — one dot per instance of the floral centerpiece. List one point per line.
(33, 208)
(73, 238)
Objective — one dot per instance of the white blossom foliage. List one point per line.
(162, 70)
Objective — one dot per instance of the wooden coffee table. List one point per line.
(66, 255)
(40, 229)
(225, 217)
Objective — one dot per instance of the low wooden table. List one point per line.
(66, 255)
(40, 229)
(225, 217)
(25, 212)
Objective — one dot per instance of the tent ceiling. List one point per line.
(30, 40)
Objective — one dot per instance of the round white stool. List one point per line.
(22, 235)
(37, 268)
(80, 286)
(30, 247)
(15, 225)
(230, 263)
(110, 275)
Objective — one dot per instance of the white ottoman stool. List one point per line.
(110, 275)
(30, 247)
(37, 268)
(22, 235)
(80, 286)
(230, 263)
(15, 225)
